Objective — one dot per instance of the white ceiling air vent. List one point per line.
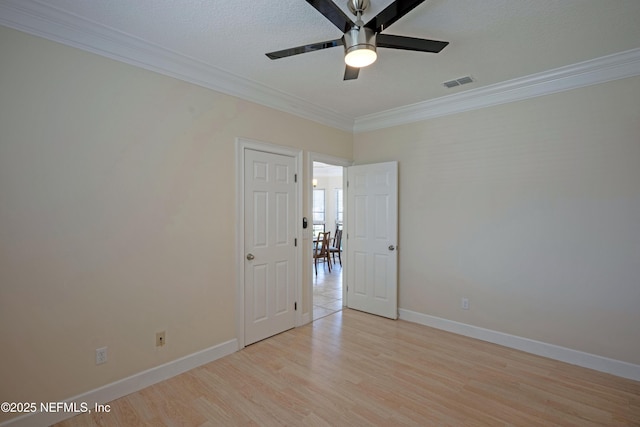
(458, 82)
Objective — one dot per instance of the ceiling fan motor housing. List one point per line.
(359, 38)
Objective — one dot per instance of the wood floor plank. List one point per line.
(351, 368)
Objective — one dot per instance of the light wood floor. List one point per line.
(351, 368)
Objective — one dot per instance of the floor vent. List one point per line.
(458, 82)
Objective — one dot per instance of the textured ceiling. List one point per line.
(491, 40)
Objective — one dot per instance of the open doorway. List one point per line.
(328, 217)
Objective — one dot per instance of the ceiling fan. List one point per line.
(360, 40)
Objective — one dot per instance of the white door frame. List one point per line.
(241, 145)
(337, 161)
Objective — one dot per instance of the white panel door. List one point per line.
(372, 230)
(269, 224)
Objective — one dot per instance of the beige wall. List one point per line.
(531, 210)
(117, 214)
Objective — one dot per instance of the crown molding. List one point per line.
(43, 20)
(599, 70)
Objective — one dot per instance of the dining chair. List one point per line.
(321, 249)
(336, 247)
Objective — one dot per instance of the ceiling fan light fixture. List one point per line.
(360, 57)
(360, 47)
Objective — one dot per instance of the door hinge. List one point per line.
(295, 242)
(347, 184)
(295, 306)
(295, 177)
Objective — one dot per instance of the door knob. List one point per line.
(250, 257)
(392, 248)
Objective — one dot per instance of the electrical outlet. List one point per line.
(101, 355)
(464, 303)
(160, 340)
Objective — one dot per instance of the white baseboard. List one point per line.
(563, 354)
(127, 386)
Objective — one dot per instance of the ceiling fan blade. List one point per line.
(409, 43)
(351, 73)
(333, 13)
(391, 14)
(304, 49)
